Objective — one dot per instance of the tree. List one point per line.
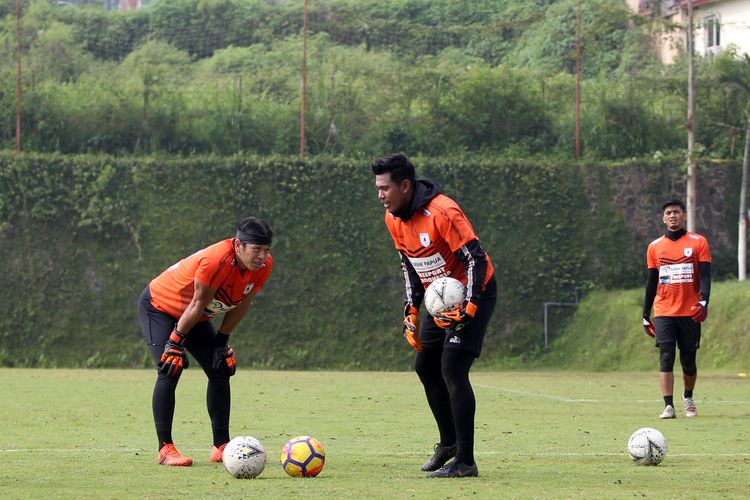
(154, 63)
(734, 75)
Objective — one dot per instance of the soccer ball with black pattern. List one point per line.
(244, 457)
(647, 446)
(303, 456)
(444, 294)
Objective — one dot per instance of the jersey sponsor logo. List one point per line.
(248, 288)
(424, 239)
(429, 268)
(675, 274)
(688, 252)
(216, 307)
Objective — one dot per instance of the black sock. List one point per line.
(668, 400)
(688, 393)
(163, 407)
(456, 366)
(427, 364)
(219, 400)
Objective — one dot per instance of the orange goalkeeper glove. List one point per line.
(700, 311)
(173, 359)
(411, 327)
(458, 318)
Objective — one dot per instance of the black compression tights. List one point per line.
(445, 377)
(218, 401)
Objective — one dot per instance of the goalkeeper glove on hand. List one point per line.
(173, 359)
(458, 318)
(648, 327)
(411, 327)
(224, 353)
(700, 311)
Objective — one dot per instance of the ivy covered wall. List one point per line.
(80, 236)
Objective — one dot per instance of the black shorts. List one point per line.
(470, 338)
(158, 325)
(680, 330)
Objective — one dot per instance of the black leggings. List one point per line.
(200, 343)
(445, 376)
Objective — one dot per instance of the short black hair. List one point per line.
(674, 202)
(398, 165)
(254, 230)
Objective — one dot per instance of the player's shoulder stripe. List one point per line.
(694, 236)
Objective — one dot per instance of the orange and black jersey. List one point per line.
(215, 266)
(679, 273)
(435, 239)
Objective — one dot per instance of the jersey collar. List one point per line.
(676, 235)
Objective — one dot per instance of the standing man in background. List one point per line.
(678, 288)
(434, 239)
(175, 312)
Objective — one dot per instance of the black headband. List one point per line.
(253, 237)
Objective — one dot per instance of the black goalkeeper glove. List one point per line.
(223, 353)
(174, 358)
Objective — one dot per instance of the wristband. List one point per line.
(177, 337)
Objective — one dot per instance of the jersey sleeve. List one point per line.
(455, 228)
(413, 288)
(208, 270)
(704, 251)
(475, 259)
(651, 258)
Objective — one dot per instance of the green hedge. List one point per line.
(605, 335)
(82, 235)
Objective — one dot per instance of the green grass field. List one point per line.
(89, 434)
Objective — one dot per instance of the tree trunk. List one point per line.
(742, 237)
(690, 125)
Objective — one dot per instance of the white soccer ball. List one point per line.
(647, 446)
(444, 294)
(244, 457)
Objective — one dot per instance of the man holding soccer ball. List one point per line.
(175, 312)
(678, 288)
(435, 239)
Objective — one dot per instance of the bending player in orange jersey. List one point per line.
(174, 312)
(434, 239)
(678, 288)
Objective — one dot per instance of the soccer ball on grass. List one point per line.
(444, 294)
(647, 446)
(303, 456)
(244, 457)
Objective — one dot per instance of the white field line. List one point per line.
(374, 453)
(566, 399)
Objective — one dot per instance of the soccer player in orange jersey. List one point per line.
(175, 312)
(678, 289)
(434, 238)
